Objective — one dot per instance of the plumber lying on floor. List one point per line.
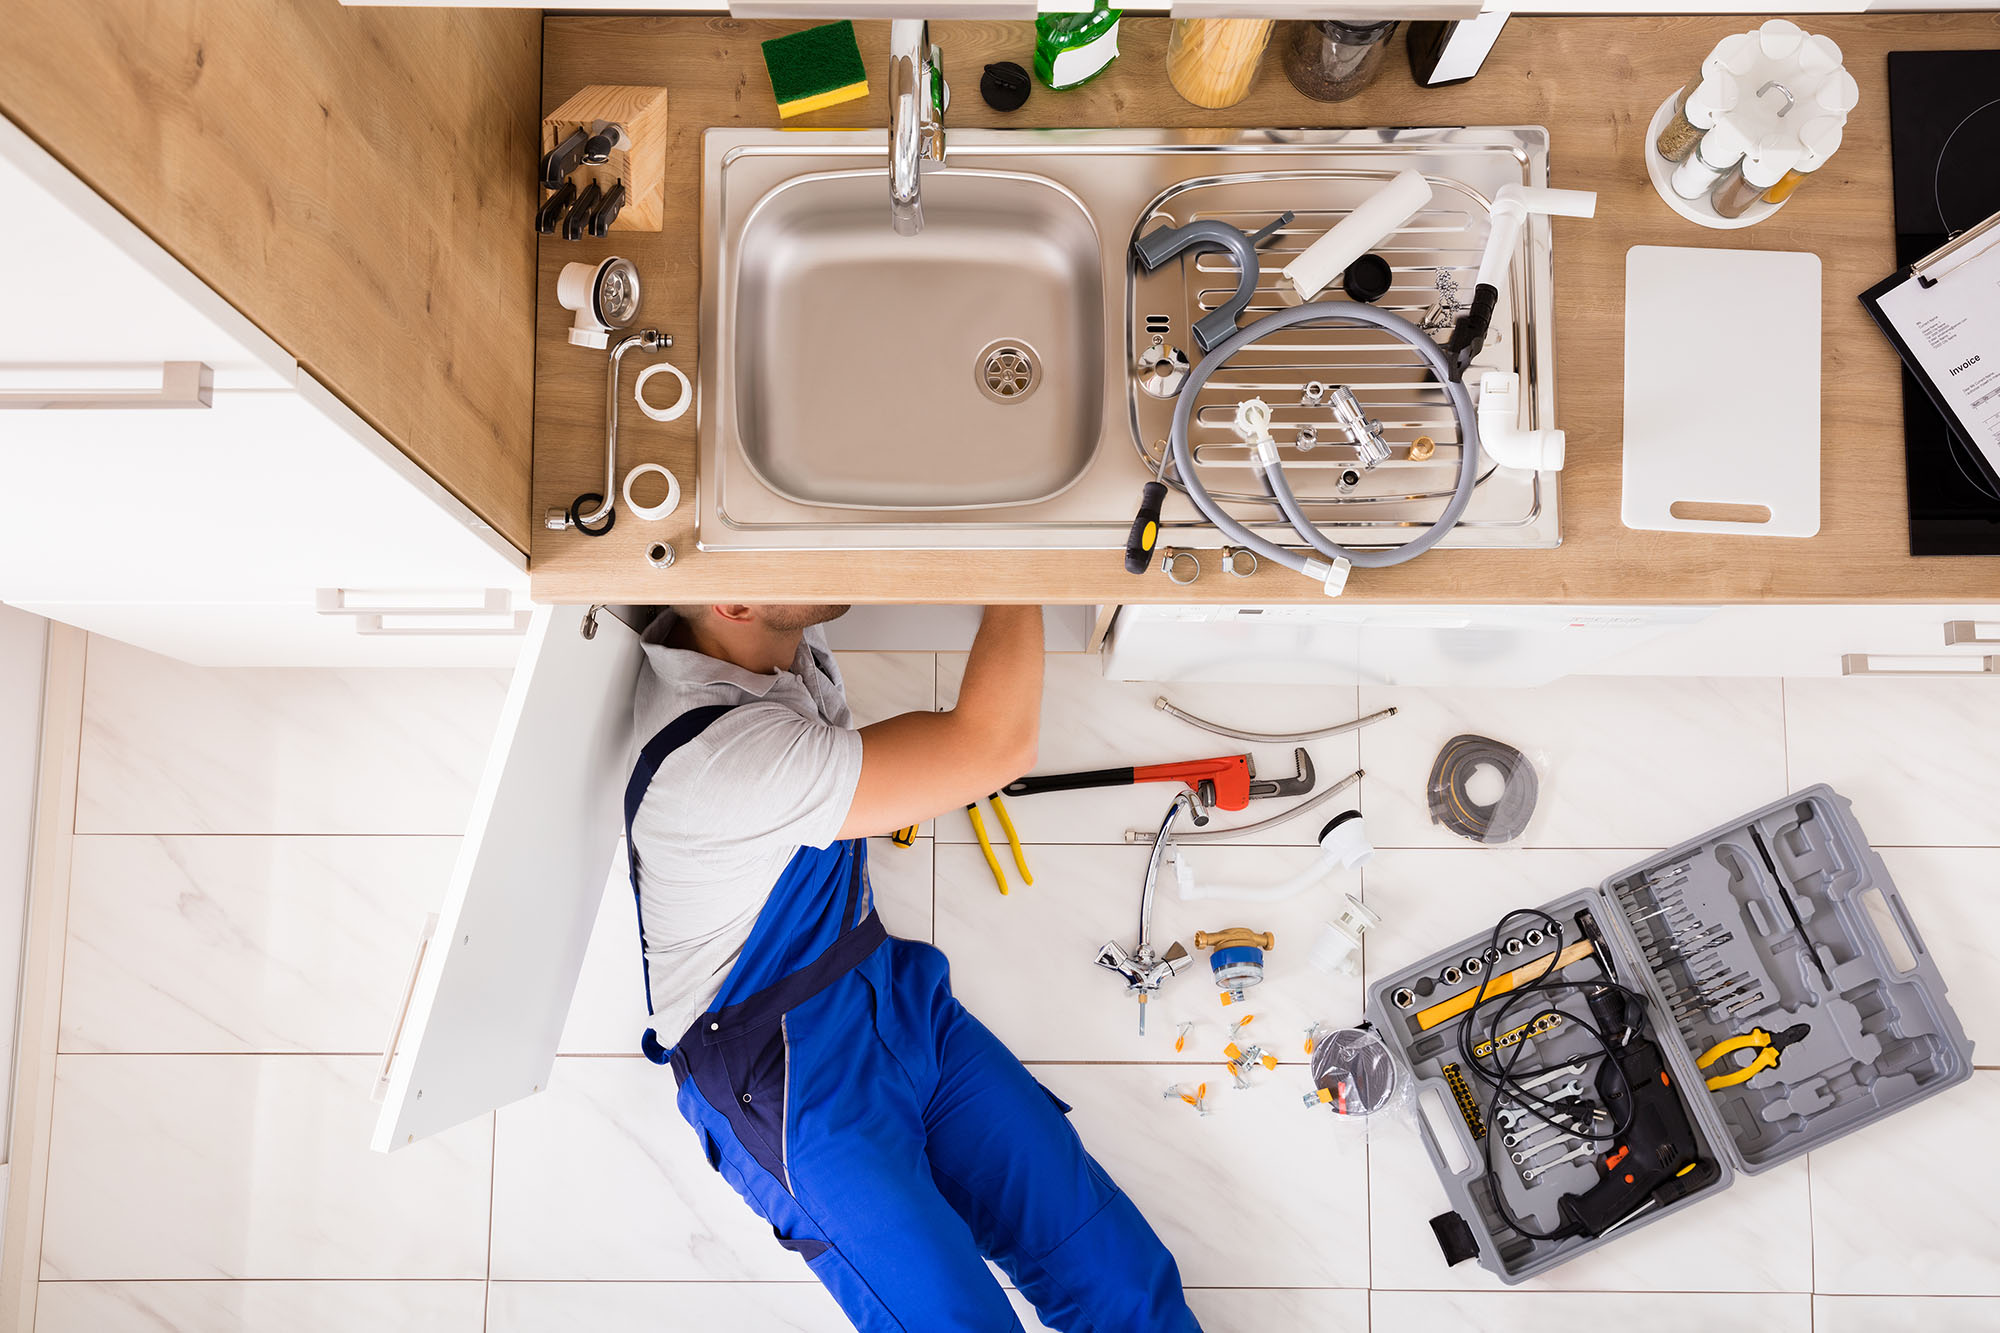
(884, 1133)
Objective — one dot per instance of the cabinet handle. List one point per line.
(364, 602)
(377, 624)
(1967, 631)
(1937, 664)
(182, 384)
(381, 1089)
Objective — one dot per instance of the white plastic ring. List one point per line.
(664, 507)
(681, 404)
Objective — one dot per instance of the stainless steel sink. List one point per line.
(959, 368)
(971, 386)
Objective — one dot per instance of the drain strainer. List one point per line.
(1006, 371)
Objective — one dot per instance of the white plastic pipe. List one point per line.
(1511, 207)
(1359, 232)
(1500, 435)
(1343, 846)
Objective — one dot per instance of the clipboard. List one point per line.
(1972, 256)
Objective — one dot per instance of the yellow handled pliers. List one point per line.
(1769, 1047)
(986, 844)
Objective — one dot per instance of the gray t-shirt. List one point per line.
(726, 811)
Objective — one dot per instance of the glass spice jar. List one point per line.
(1331, 61)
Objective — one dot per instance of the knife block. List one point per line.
(642, 165)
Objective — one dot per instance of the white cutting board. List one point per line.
(1722, 390)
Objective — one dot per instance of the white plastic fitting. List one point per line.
(1343, 845)
(1511, 207)
(604, 296)
(1333, 952)
(1355, 235)
(1252, 425)
(1500, 435)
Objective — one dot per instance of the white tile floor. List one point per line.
(258, 848)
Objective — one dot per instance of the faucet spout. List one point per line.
(918, 96)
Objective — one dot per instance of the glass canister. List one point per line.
(1331, 61)
(1212, 62)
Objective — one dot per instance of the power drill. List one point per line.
(1655, 1161)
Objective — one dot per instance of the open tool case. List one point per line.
(1877, 1039)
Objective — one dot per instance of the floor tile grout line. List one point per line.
(1785, 733)
(46, 1157)
(492, 1192)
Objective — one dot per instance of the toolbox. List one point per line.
(1788, 997)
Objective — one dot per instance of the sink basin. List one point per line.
(960, 368)
(972, 387)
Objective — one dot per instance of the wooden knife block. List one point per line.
(642, 165)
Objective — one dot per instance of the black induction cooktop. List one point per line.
(1944, 136)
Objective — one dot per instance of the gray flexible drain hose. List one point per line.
(1350, 312)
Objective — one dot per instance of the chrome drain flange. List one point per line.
(1007, 371)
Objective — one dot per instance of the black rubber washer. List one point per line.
(1367, 279)
(576, 514)
(1504, 820)
(1336, 822)
(1004, 85)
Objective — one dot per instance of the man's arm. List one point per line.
(922, 764)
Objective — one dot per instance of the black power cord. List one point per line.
(1504, 1072)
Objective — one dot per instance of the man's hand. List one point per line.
(922, 764)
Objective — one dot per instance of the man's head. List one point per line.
(763, 639)
(786, 618)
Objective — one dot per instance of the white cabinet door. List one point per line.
(1363, 643)
(1819, 641)
(85, 288)
(266, 494)
(296, 633)
(494, 985)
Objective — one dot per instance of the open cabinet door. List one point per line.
(492, 986)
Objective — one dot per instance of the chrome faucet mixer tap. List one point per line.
(918, 97)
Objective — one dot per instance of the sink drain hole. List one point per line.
(1007, 371)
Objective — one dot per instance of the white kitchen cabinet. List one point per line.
(297, 633)
(1443, 646)
(1825, 640)
(183, 529)
(87, 291)
(498, 967)
(1353, 643)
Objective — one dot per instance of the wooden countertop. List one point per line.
(1593, 82)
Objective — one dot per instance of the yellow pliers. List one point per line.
(986, 844)
(1769, 1047)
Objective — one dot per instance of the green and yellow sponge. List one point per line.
(818, 67)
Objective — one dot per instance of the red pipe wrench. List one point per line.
(1223, 783)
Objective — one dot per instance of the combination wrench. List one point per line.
(1523, 1158)
(1529, 1176)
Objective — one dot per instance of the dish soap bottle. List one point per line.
(1073, 49)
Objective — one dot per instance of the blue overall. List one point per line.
(889, 1139)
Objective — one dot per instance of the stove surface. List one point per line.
(1944, 131)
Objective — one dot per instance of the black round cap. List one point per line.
(1366, 279)
(1004, 85)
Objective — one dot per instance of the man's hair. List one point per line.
(692, 613)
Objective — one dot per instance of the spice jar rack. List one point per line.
(1661, 173)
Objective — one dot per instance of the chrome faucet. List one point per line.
(918, 97)
(1145, 968)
